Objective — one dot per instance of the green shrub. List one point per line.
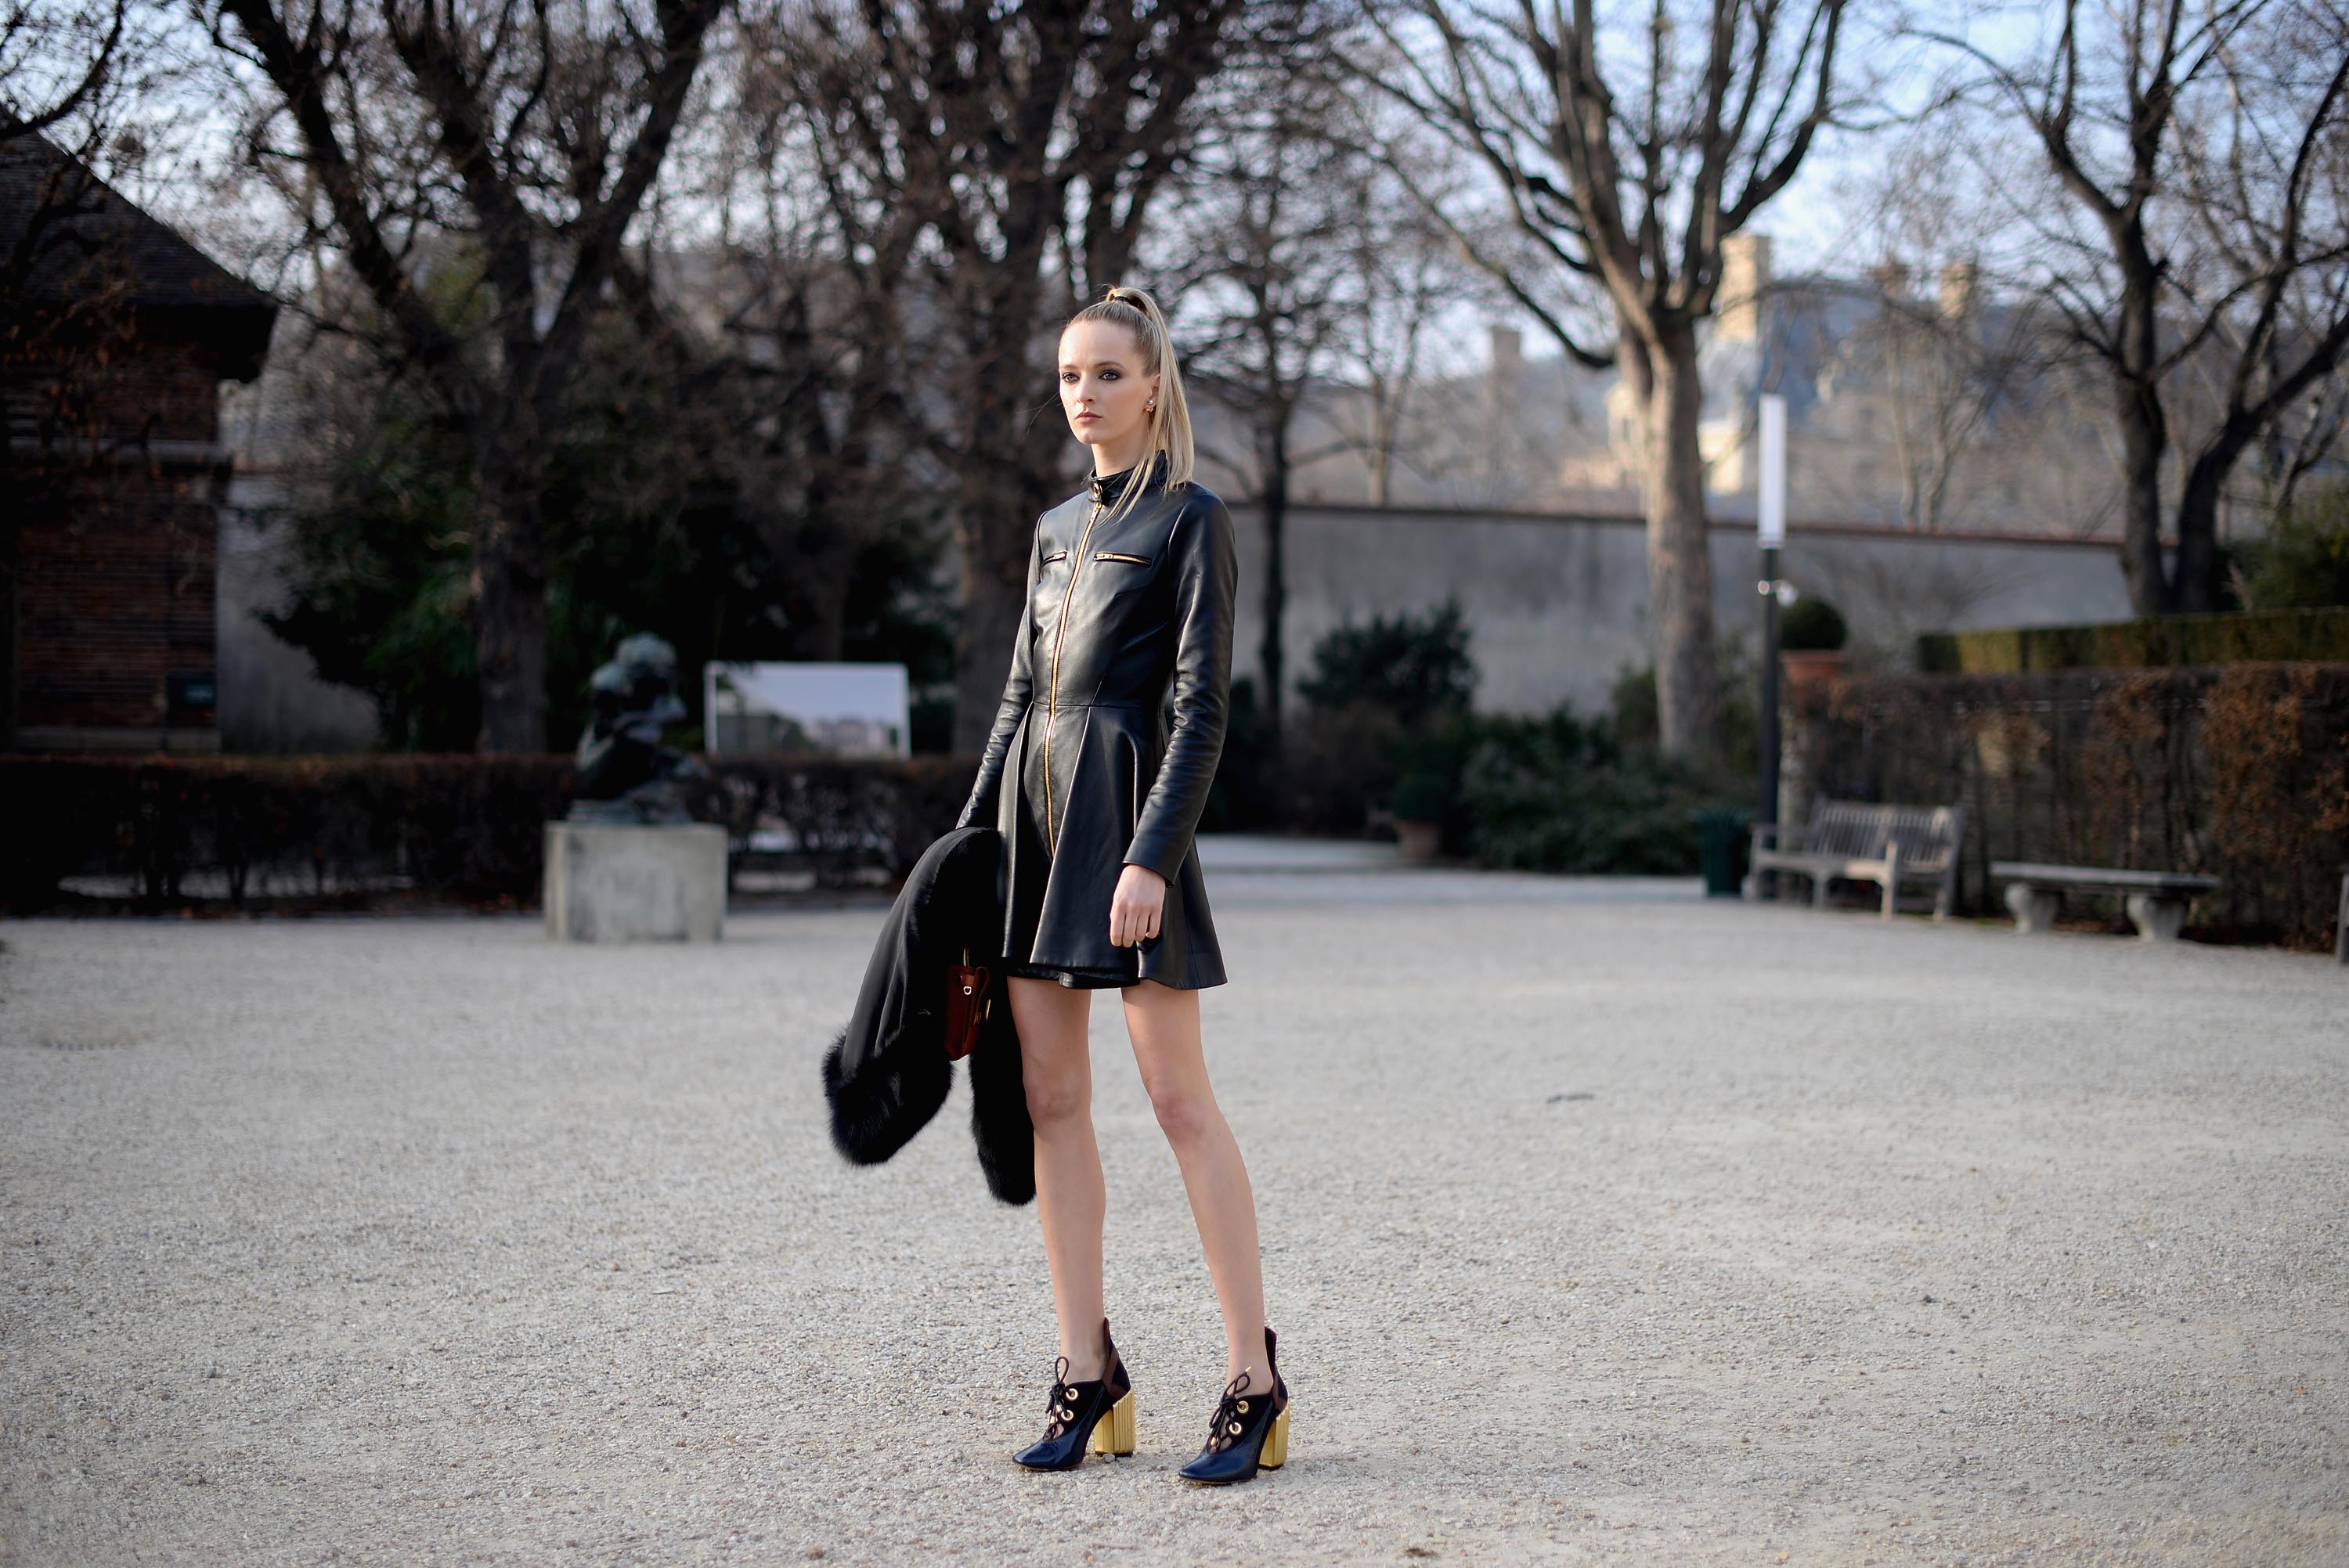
(1389, 726)
(1811, 625)
(457, 828)
(2264, 636)
(1427, 760)
(1560, 794)
(1737, 726)
(2303, 561)
(1632, 704)
(1415, 666)
(1244, 797)
(1423, 797)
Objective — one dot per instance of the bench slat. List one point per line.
(2110, 879)
(1859, 841)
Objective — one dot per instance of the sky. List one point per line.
(1811, 223)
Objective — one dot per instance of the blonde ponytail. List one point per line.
(1170, 422)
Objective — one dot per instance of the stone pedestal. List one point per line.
(635, 882)
(2157, 919)
(2341, 927)
(2033, 908)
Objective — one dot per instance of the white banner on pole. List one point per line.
(1770, 512)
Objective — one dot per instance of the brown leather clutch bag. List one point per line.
(968, 1000)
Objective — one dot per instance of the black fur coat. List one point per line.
(887, 1073)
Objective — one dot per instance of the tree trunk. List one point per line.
(2196, 583)
(2143, 439)
(825, 556)
(1383, 424)
(1008, 476)
(1679, 559)
(2145, 430)
(509, 595)
(991, 618)
(9, 573)
(1276, 573)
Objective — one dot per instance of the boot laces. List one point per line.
(1230, 1419)
(1064, 1398)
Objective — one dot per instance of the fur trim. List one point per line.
(998, 1118)
(877, 1114)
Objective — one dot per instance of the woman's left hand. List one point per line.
(1135, 908)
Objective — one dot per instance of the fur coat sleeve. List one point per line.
(887, 1073)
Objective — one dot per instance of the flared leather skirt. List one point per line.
(1067, 810)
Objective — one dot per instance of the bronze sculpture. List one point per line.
(625, 774)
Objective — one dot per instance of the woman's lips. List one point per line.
(1087, 419)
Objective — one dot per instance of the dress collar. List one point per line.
(1107, 488)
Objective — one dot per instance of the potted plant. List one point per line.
(1421, 798)
(1811, 636)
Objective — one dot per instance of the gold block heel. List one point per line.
(1276, 1443)
(1114, 1433)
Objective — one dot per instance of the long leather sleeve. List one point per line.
(1207, 584)
(1017, 689)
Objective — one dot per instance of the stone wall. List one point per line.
(1559, 605)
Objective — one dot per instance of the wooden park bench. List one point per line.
(1857, 841)
(2156, 901)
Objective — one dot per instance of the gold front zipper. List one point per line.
(1052, 690)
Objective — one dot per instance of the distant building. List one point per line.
(1914, 405)
(115, 336)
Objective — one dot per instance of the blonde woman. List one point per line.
(1131, 585)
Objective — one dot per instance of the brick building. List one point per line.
(115, 336)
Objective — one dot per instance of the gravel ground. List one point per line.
(1603, 1225)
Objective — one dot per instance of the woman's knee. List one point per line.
(1055, 1095)
(1187, 1112)
(1055, 1070)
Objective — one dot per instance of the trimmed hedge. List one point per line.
(2241, 772)
(455, 828)
(2164, 642)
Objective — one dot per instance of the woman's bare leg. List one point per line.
(1055, 1067)
(1163, 1021)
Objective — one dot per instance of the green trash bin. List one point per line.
(1723, 840)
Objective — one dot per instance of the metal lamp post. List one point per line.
(1770, 520)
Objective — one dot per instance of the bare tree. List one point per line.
(1402, 288)
(2297, 443)
(531, 134)
(1629, 162)
(61, 72)
(1261, 253)
(56, 63)
(811, 356)
(1404, 274)
(1947, 351)
(2200, 148)
(1035, 138)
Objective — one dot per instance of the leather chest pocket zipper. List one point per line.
(1114, 555)
(1056, 555)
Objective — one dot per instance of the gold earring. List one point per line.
(1146, 407)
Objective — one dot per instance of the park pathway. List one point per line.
(1604, 1223)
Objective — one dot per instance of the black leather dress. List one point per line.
(1082, 772)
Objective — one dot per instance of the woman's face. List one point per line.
(1103, 389)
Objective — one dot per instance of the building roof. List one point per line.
(74, 236)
